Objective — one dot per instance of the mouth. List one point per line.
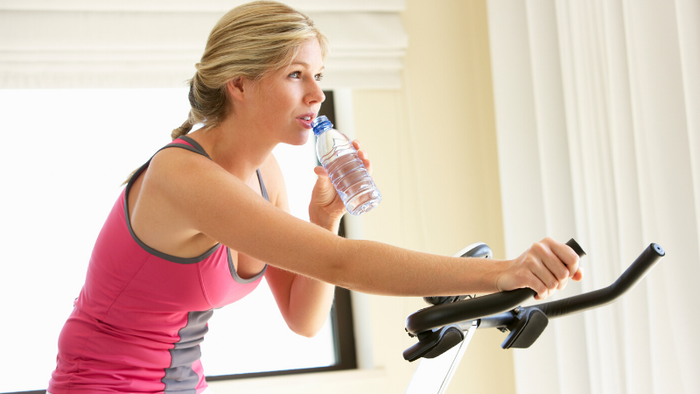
(306, 120)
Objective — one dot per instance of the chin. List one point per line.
(301, 138)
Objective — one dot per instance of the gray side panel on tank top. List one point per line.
(180, 378)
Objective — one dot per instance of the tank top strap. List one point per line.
(189, 141)
(190, 144)
(184, 142)
(198, 148)
(263, 190)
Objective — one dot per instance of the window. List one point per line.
(66, 153)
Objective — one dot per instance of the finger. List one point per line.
(567, 256)
(541, 289)
(547, 281)
(578, 275)
(554, 273)
(320, 171)
(358, 147)
(323, 193)
(365, 160)
(323, 182)
(362, 155)
(538, 278)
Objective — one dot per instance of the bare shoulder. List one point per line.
(162, 203)
(177, 166)
(211, 201)
(187, 179)
(198, 200)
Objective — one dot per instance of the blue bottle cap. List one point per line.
(321, 124)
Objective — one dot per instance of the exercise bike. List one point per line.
(445, 328)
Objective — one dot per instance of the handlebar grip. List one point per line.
(474, 308)
(576, 247)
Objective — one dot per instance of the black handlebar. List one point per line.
(477, 308)
(634, 273)
(469, 309)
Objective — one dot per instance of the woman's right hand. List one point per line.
(545, 267)
(326, 207)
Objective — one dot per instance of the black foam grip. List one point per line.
(576, 247)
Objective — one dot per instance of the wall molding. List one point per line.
(155, 43)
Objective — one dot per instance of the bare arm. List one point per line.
(220, 205)
(304, 302)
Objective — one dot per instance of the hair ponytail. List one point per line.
(184, 129)
(192, 119)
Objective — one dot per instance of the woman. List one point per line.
(198, 226)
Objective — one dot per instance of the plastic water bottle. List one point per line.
(349, 176)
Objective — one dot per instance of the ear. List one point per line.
(235, 88)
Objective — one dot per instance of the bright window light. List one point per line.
(65, 155)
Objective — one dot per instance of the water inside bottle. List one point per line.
(353, 183)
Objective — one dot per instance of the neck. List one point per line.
(235, 146)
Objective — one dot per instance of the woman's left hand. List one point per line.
(326, 207)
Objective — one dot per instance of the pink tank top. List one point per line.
(138, 321)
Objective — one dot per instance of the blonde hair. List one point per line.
(247, 42)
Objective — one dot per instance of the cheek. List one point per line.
(272, 102)
(277, 101)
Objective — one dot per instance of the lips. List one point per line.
(306, 120)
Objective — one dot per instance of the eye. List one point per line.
(295, 74)
(318, 77)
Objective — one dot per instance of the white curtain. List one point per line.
(598, 120)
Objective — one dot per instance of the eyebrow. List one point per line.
(305, 64)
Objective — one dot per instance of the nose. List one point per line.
(315, 94)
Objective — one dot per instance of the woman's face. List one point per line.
(287, 100)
